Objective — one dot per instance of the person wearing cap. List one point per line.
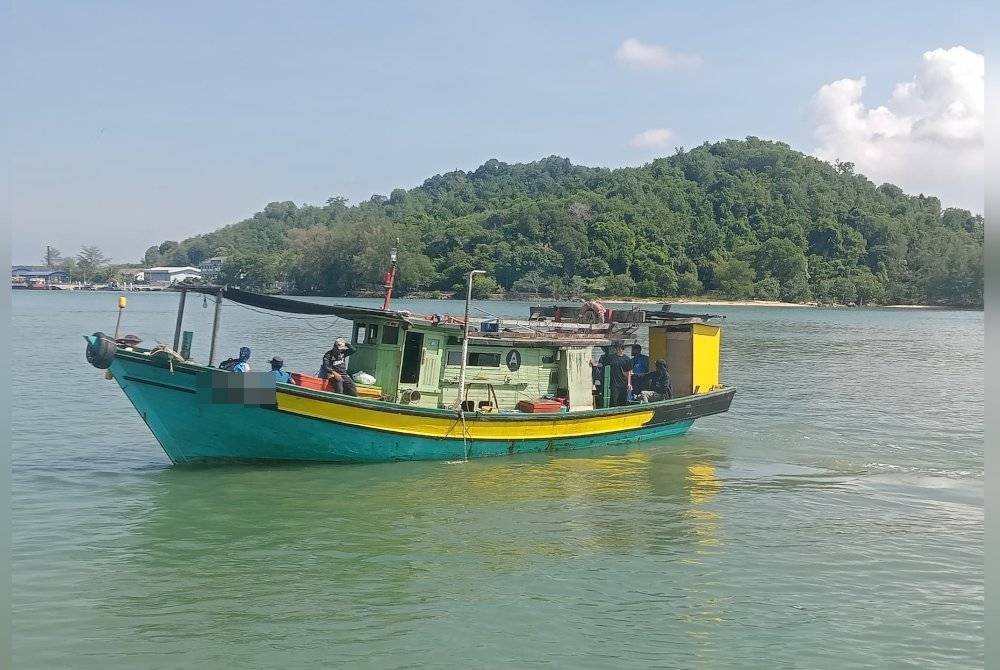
(280, 376)
(334, 367)
(657, 383)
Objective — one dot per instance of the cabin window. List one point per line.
(409, 373)
(359, 328)
(453, 340)
(371, 334)
(483, 360)
(390, 335)
(477, 359)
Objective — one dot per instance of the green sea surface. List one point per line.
(832, 519)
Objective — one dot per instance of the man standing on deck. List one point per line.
(334, 367)
(620, 366)
(640, 366)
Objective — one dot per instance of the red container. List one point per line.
(309, 381)
(538, 405)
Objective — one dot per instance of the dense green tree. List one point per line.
(197, 251)
(782, 259)
(90, 263)
(688, 284)
(735, 278)
(483, 287)
(176, 257)
(767, 288)
(737, 217)
(252, 272)
(167, 246)
(52, 258)
(619, 285)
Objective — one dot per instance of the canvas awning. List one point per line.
(293, 306)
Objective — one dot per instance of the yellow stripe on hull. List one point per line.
(479, 428)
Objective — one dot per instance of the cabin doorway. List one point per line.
(430, 372)
(409, 372)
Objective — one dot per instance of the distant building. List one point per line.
(27, 275)
(170, 275)
(133, 274)
(210, 267)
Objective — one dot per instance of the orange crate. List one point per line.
(309, 381)
(538, 405)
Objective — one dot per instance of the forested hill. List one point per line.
(735, 219)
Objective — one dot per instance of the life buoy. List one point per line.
(593, 312)
(100, 351)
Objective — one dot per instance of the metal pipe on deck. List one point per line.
(180, 320)
(215, 327)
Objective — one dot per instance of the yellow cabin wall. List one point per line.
(657, 344)
(705, 344)
(692, 356)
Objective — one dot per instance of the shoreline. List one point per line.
(707, 302)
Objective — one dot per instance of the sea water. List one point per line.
(832, 519)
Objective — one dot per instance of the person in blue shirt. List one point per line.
(640, 366)
(640, 361)
(280, 376)
(240, 364)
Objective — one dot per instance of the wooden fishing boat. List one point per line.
(444, 388)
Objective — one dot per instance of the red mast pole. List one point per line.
(389, 278)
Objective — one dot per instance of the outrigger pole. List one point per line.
(465, 340)
(215, 326)
(180, 319)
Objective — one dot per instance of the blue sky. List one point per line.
(139, 122)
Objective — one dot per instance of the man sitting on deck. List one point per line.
(657, 384)
(280, 376)
(240, 364)
(334, 367)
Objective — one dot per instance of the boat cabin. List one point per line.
(417, 360)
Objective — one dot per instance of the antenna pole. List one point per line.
(465, 339)
(390, 278)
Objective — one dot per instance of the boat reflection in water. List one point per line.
(238, 547)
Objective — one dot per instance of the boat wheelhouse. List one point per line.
(443, 387)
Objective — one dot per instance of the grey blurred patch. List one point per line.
(229, 388)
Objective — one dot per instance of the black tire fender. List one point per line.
(101, 352)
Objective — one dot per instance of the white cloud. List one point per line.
(654, 138)
(639, 54)
(927, 138)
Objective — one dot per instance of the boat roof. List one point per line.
(544, 327)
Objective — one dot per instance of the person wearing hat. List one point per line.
(334, 367)
(657, 383)
(280, 376)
